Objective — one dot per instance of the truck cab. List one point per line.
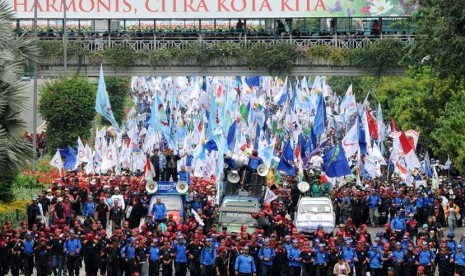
(236, 211)
(312, 212)
(173, 200)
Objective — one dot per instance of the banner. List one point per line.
(207, 9)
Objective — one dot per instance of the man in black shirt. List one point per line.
(102, 212)
(172, 165)
(155, 160)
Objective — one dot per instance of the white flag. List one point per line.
(197, 217)
(81, 153)
(56, 161)
(448, 164)
(350, 142)
(269, 195)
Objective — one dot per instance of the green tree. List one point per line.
(15, 55)
(440, 29)
(118, 90)
(68, 106)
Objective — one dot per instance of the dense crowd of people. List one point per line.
(86, 220)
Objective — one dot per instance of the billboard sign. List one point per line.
(211, 9)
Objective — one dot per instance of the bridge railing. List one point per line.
(143, 44)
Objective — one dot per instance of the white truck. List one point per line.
(313, 212)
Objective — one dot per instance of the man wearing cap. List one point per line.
(28, 253)
(349, 254)
(426, 258)
(320, 260)
(154, 257)
(294, 259)
(398, 259)
(43, 259)
(118, 197)
(410, 261)
(72, 248)
(375, 261)
(373, 201)
(207, 258)
(459, 259)
(267, 255)
(128, 254)
(116, 216)
(245, 264)
(91, 251)
(180, 255)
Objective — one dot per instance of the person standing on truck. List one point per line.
(245, 265)
(172, 165)
(159, 211)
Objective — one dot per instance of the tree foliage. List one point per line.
(440, 26)
(118, 88)
(15, 54)
(68, 106)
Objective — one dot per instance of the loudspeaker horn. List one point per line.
(262, 170)
(233, 177)
(182, 187)
(151, 186)
(327, 187)
(303, 187)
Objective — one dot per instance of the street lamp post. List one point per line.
(65, 36)
(34, 100)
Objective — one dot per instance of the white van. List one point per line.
(314, 211)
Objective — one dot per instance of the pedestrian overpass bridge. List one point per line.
(169, 56)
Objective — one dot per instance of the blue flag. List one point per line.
(211, 145)
(287, 160)
(311, 142)
(303, 146)
(428, 171)
(231, 136)
(335, 162)
(70, 158)
(257, 137)
(319, 123)
(361, 136)
(253, 81)
(102, 101)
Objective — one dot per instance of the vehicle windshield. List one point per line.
(239, 218)
(315, 207)
(171, 203)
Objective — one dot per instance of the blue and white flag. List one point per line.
(102, 101)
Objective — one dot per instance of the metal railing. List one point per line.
(154, 43)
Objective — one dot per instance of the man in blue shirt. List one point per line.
(89, 207)
(320, 260)
(207, 257)
(398, 259)
(28, 251)
(374, 257)
(184, 175)
(72, 248)
(154, 258)
(180, 254)
(159, 211)
(373, 201)
(294, 258)
(267, 255)
(459, 259)
(251, 167)
(245, 264)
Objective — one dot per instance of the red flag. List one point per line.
(372, 125)
(404, 142)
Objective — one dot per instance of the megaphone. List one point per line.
(327, 187)
(233, 177)
(262, 170)
(303, 187)
(181, 187)
(151, 186)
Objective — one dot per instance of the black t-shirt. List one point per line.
(90, 251)
(171, 161)
(102, 210)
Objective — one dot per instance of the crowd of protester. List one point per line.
(83, 223)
